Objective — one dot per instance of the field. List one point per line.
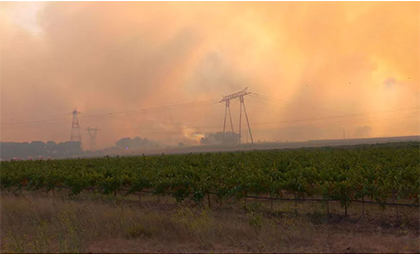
(350, 199)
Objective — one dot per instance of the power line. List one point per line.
(145, 110)
(201, 104)
(168, 107)
(334, 116)
(301, 120)
(276, 100)
(327, 118)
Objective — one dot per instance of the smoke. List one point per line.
(390, 83)
(321, 59)
(192, 135)
(363, 132)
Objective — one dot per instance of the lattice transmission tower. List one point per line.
(92, 134)
(227, 99)
(75, 127)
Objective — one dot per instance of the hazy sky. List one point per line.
(332, 65)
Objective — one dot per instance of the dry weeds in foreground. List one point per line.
(39, 222)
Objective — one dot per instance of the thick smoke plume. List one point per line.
(320, 59)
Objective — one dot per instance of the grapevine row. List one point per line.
(378, 172)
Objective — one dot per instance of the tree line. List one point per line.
(51, 149)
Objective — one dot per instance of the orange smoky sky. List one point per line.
(316, 67)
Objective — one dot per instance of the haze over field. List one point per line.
(332, 65)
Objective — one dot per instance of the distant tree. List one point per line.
(51, 147)
(70, 148)
(136, 142)
(219, 137)
(205, 141)
(9, 150)
(123, 143)
(37, 148)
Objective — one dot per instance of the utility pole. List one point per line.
(92, 134)
(75, 127)
(227, 100)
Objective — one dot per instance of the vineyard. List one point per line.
(370, 173)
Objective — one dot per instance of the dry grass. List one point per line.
(39, 222)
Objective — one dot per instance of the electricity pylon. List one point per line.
(92, 134)
(227, 99)
(75, 127)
